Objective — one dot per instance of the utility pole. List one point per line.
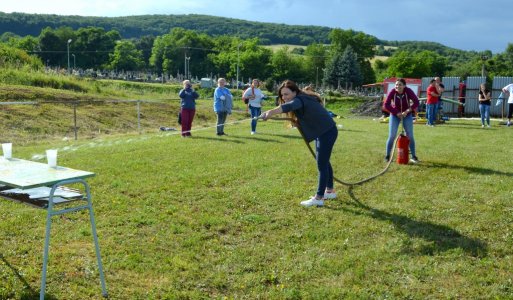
(483, 71)
(186, 68)
(69, 41)
(189, 67)
(186, 65)
(237, 83)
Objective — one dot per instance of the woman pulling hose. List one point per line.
(315, 123)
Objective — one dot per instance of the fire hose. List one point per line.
(335, 178)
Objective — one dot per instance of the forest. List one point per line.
(195, 46)
(155, 25)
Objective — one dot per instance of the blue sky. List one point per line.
(467, 25)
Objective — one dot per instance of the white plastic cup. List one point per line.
(51, 156)
(7, 150)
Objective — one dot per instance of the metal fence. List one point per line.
(472, 92)
(146, 114)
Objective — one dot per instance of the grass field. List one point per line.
(290, 47)
(219, 218)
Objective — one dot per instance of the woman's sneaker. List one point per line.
(414, 160)
(328, 195)
(312, 202)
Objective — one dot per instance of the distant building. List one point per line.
(207, 83)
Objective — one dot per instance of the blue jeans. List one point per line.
(431, 113)
(324, 146)
(255, 112)
(485, 113)
(392, 132)
(221, 119)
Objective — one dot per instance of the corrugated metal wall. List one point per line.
(471, 99)
(471, 102)
(425, 84)
(452, 92)
(497, 85)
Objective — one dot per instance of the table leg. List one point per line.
(50, 213)
(46, 249)
(96, 244)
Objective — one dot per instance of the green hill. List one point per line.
(23, 24)
(137, 26)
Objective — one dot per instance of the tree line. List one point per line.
(198, 54)
(348, 57)
(155, 25)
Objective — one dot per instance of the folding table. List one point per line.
(44, 187)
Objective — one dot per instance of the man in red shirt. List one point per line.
(461, 98)
(431, 103)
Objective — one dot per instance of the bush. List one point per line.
(16, 58)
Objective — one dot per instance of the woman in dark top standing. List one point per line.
(308, 114)
(484, 104)
(188, 98)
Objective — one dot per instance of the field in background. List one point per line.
(382, 58)
(276, 47)
(212, 217)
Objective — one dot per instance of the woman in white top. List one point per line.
(255, 98)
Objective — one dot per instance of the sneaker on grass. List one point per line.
(328, 195)
(312, 202)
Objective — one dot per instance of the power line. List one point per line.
(111, 51)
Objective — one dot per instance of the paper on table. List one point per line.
(43, 192)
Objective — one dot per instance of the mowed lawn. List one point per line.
(219, 218)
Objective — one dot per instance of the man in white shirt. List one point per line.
(509, 89)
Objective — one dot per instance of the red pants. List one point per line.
(187, 117)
